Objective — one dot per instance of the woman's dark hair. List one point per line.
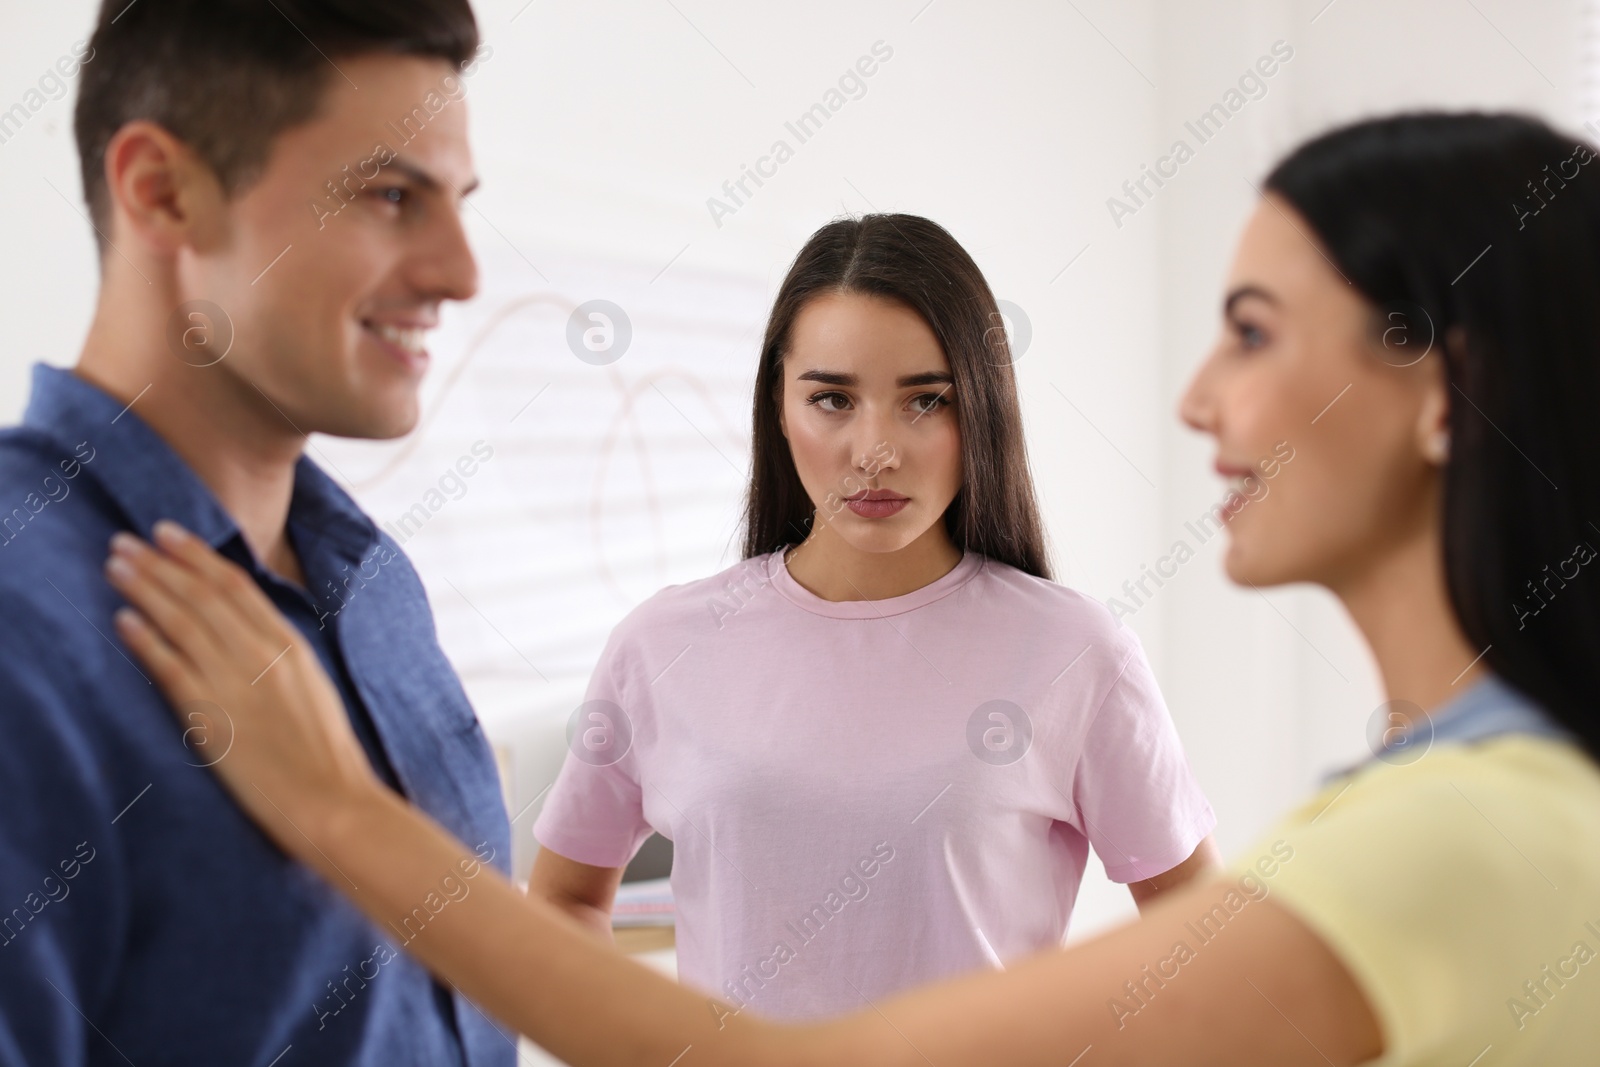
(227, 76)
(1485, 228)
(917, 263)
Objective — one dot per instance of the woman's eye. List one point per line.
(828, 401)
(926, 403)
(1250, 336)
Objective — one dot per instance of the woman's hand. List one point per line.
(253, 699)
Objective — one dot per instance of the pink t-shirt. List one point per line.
(868, 795)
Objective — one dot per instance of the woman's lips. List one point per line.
(877, 503)
(877, 509)
(1235, 499)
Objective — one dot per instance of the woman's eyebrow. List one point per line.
(927, 377)
(827, 377)
(1244, 291)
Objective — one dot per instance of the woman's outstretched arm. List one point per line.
(1265, 989)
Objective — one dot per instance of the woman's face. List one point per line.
(1329, 427)
(868, 408)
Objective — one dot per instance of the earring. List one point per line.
(1438, 449)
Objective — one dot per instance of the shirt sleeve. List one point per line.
(1436, 885)
(595, 811)
(62, 904)
(1142, 809)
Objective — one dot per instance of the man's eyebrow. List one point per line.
(425, 179)
(828, 377)
(1243, 292)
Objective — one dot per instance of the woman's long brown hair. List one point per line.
(916, 262)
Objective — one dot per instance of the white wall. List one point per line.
(601, 130)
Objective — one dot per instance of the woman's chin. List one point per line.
(880, 536)
(1246, 566)
(1240, 565)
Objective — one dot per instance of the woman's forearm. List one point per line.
(1204, 862)
(524, 962)
(533, 968)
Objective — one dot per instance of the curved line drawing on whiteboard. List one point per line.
(624, 427)
(608, 445)
(453, 376)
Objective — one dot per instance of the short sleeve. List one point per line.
(1444, 885)
(595, 811)
(1142, 809)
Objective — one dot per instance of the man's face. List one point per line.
(334, 260)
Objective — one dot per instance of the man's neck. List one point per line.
(244, 457)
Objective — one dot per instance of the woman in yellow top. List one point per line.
(1413, 307)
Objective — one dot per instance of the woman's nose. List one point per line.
(1196, 407)
(878, 455)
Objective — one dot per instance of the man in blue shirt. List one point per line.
(276, 192)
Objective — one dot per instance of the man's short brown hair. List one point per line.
(227, 76)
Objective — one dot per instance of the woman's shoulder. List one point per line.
(1052, 609)
(697, 605)
(1520, 767)
(1491, 738)
(1475, 863)
(1476, 810)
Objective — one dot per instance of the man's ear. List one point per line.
(162, 195)
(1433, 416)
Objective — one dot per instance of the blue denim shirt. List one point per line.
(143, 918)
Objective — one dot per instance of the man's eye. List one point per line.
(392, 194)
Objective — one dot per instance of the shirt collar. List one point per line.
(1488, 708)
(149, 481)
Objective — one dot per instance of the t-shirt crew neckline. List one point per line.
(938, 589)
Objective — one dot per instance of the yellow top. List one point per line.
(1462, 891)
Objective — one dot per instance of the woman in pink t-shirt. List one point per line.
(882, 744)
